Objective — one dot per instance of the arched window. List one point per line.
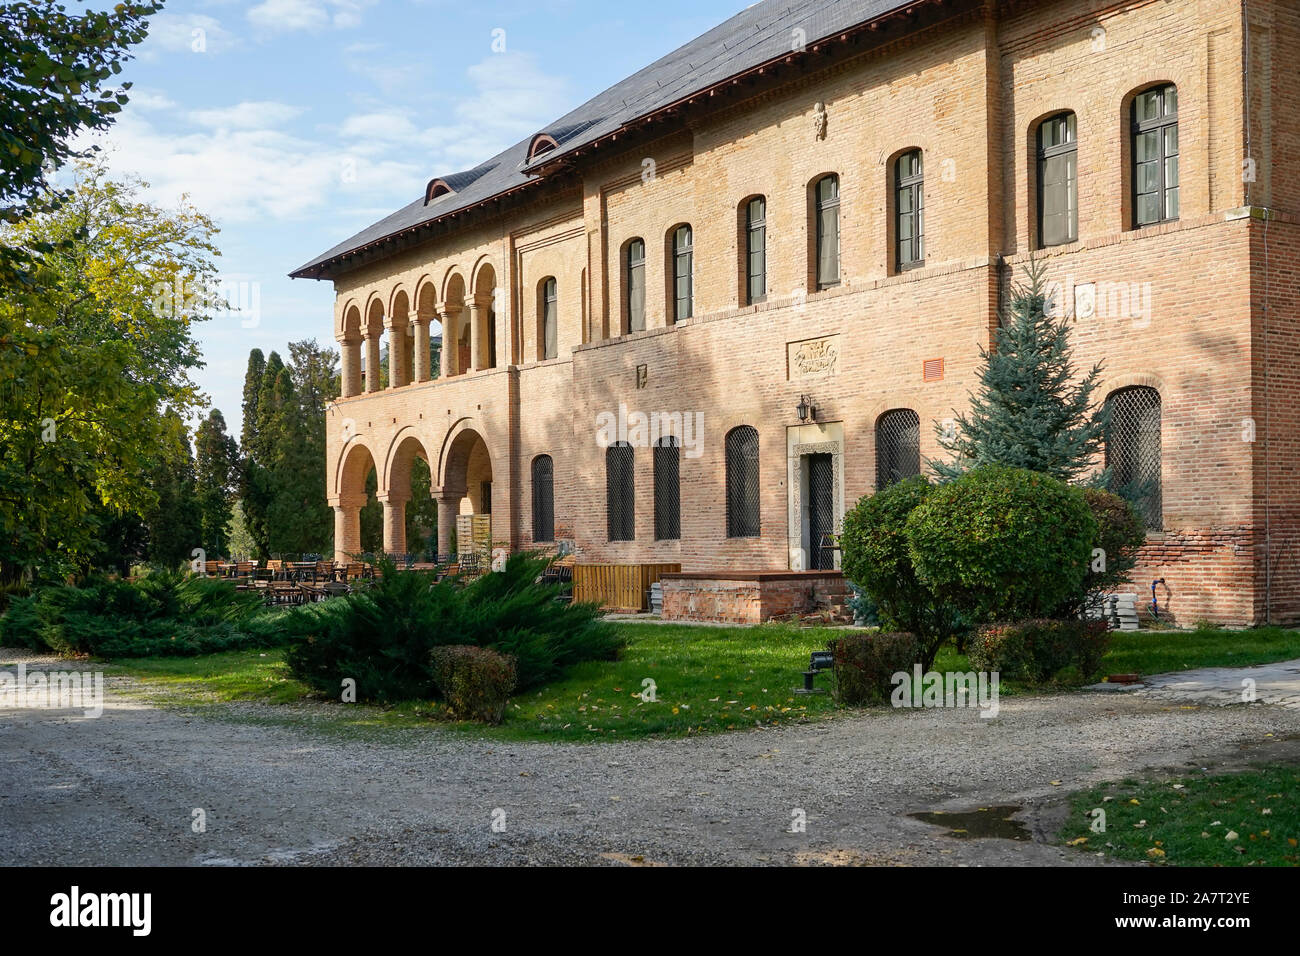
(1155, 156)
(543, 498)
(668, 491)
(826, 195)
(636, 285)
(909, 211)
(742, 483)
(1058, 181)
(898, 446)
(755, 250)
(550, 319)
(1133, 450)
(620, 491)
(683, 274)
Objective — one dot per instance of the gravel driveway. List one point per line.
(124, 788)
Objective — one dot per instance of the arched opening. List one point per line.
(410, 512)
(428, 335)
(350, 348)
(374, 358)
(455, 327)
(483, 342)
(401, 342)
(358, 518)
(466, 499)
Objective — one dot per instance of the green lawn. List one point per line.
(1157, 652)
(1235, 819)
(706, 679)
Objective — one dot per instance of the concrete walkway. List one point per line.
(1266, 683)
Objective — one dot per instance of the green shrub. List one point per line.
(475, 682)
(1120, 532)
(876, 560)
(381, 637)
(865, 662)
(1038, 650)
(163, 614)
(1002, 543)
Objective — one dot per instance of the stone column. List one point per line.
(347, 527)
(450, 334)
(399, 373)
(421, 325)
(350, 381)
(480, 307)
(448, 509)
(372, 362)
(394, 524)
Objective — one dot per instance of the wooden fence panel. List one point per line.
(618, 587)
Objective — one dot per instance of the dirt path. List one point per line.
(123, 788)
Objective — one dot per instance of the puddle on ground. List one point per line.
(974, 824)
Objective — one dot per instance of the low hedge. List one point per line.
(866, 662)
(1040, 650)
(475, 682)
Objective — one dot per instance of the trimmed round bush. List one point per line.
(475, 682)
(1002, 543)
(865, 662)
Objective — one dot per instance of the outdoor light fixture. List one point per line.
(805, 408)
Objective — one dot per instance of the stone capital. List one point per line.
(347, 502)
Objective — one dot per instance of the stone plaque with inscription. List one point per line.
(813, 358)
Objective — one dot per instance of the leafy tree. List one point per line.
(421, 512)
(1031, 411)
(52, 87)
(240, 542)
(94, 356)
(217, 468)
(252, 388)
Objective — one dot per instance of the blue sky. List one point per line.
(295, 123)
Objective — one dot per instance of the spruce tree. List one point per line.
(1031, 410)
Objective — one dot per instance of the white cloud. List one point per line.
(310, 15)
(184, 33)
(262, 114)
(145, 99)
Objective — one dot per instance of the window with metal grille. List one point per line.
(543, 498)
(668, 489)
(898, 446)
(1133, 451)
(636, 285)
(828, 231)
(620, 491)
(1155, 156)
(1058, 186)
(756, 250)
(683, 273)
(742, 483)
(550, 319)
(909, 211)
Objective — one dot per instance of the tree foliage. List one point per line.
(1031, 410)
(53, 86)
(93, 369)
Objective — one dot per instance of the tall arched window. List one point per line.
(898, 446)
(826, 195)
(543, 498)
(755, 250)
(742, 482)
(1058, 181)
(1155, 155)
(620, 491)
(550, 319)
(909, 211)
(683, 274)
(636, 286)
(668, 489)
(1133, 451)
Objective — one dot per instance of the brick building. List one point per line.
(791, 236)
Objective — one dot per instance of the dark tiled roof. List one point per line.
(756, 35)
